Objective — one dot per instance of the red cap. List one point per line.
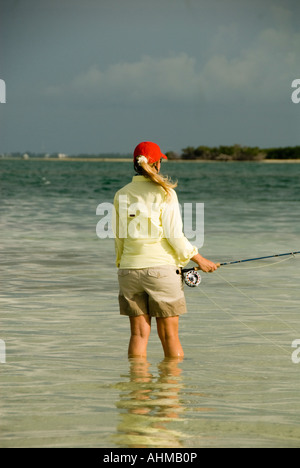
(150, 150)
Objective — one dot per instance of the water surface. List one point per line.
(67, 381)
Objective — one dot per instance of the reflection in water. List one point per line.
(149, 404)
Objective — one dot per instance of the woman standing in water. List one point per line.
(150, 247)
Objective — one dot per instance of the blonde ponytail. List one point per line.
(150, 171)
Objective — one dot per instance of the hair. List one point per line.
(150, 171)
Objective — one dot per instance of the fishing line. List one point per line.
(245, 324)
(270, 314)
(193, 279)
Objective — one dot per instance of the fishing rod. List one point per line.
(192, 278)
(259, 258)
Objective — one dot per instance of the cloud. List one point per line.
(263, 70)
(168, 79)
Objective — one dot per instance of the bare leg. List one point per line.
(140, 332)
(167, 329)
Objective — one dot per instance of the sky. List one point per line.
(99, 76)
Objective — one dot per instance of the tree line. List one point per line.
(235, 153)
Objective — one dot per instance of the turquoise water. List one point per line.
(67, 381)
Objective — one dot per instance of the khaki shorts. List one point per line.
(157, 292)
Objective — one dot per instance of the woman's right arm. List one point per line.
(205, 265)
(172, 224)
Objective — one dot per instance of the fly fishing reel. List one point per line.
(191, 278)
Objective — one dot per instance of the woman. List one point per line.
(150, 247)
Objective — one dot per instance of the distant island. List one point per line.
(235, 153)
(201, 153)
(66, 157)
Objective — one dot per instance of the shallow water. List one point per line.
(67, 381)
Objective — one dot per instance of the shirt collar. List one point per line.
(140, 178)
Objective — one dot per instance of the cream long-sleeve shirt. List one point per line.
(148, 227)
